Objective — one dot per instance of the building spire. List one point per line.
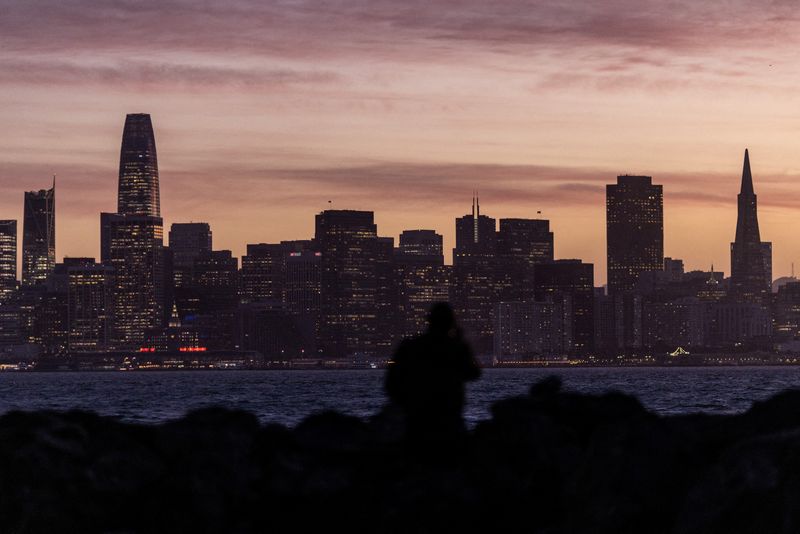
(747, 176)
(476, 213)
(473, 203)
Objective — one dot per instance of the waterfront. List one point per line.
(288, 396)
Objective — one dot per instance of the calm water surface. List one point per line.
(288, 396)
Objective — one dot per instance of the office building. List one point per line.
(39, 235)
(138, 168)
(751, 258)
(8, 259)
(634, 231)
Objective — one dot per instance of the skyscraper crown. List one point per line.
(747, 176)
(138, 168)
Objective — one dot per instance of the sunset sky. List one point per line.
(264, 111)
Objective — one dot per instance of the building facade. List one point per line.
(521, 245)
(474, 288)
(138, 168)
(133, 245)
(89, 304)
(422, 279)
(634, 230)
(39, 235)
(751, 258)
(8, 259)
(572, 280)
(349, 283)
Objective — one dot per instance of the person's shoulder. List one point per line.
(404, 349)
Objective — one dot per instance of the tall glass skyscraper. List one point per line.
(138, 168)
(132, 240)
(39, 235)
(133, 246)
(8, 258)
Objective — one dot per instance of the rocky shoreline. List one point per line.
(551, 461)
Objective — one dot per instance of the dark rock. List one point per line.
(551, 461)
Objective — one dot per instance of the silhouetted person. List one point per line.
(426, 379)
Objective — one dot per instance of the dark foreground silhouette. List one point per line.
(426, 381)
(550, 461)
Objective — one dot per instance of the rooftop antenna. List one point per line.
(473, 203)
(792, 269)
(476, 213)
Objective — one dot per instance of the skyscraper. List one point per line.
(188, 241)
(216, 281)
(138, 168)
(264, 272)
(474, 288)
(39, 235)
(302, 292)
(134, 246)
(132, 240)
(751, 258)
(521, 245)
(89, 304)
(8, 259)
(350, 269)
(570, 282)
(421, 246)
(422, 279)
(634, 230)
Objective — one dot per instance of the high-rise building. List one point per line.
(264, 272)
(134, 246)
(39, 235)
(422, 279)
(132, 240)
(138, 168)
(216, 280)
(302, 284)
(634, 230)
(571, 282)
(349, 282)
(8, 259)
(751, 258)
(787, 312)
(301, 295)
(51, 311)
(188, 242)
(474, 288)
(422, 246)
(89, 308)
(521, 245)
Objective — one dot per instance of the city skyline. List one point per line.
(152, 205)
(406, 110)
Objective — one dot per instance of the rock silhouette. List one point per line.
(550, 461)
